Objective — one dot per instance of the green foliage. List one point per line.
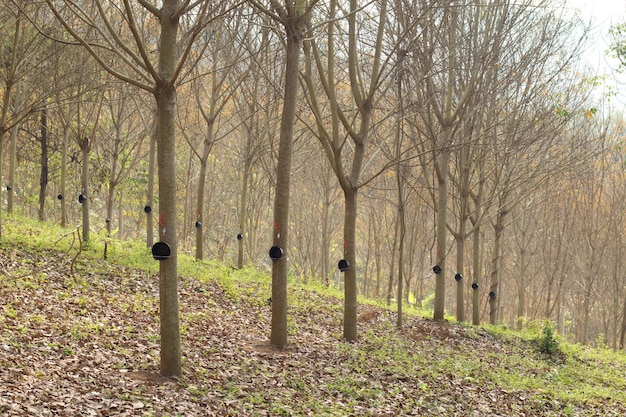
(547, 340)
(563, 112)
(617, 46)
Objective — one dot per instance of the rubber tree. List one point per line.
(23, 56)
(123, 151)
(344, 133)
(445, 89)
(149, 26)
(219, 57)
(256, 104)
(293, 16)
(43, 177)
(88, 111)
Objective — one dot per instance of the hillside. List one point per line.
(80, 338)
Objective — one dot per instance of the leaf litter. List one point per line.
(88, 345)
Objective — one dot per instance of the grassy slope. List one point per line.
(87, 344)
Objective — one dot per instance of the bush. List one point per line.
(547, 340)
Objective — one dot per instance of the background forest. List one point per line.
(461, 137)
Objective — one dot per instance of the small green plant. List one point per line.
(547, 341)
(9, 311)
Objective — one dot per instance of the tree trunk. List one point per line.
(458, 277)
(150, 187)
(623, 329)
(112, 181)
(206, 151)
(13, 153)
(349, 251)
(62, 196)
(200, 203)
(402, 233)
(325, 241)
(495, 267)
(243, 205)
(120, 219)
(400, 180)
(477, 272)
(168, 268)
(521, 307)
(461, 234)
(584, 334)
(84, 192)
(392, 266)
(43, 178)
(165, 95)
(280, 240)
(12, 160)
(442, 233)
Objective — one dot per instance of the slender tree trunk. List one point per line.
(349, 250)
(84, 192)
(378, 266)
(442, 166)
(206, 150)
(521, 307)
(280, 240)
(110, 205)
(43, 177)
(63, 194)
(401, 238)
(400, 180)
(495, 267)
(460, 266)
(442, 233)
(12, 163)
(549, 305)
(4, 116)
(325, 241)
(477, 272)
(165, 95)
(120, 219)
(243, 209)
(622, 335)
(392, 267)
(168, 271)
(461, 235)
(188, 209)
(13, 153)
(584, 334)
(200, 203)
(112, 181)
(150, 187)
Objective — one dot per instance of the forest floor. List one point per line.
(82, 339)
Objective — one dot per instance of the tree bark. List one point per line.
(200, 199)
(243, 206)
(63, 195)
(280, 240)
(165, 95)
(150, 186)
(112, 180)
(442, 233)
(43, 177)
(84, 191)
(349, 252)
(495, 267)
